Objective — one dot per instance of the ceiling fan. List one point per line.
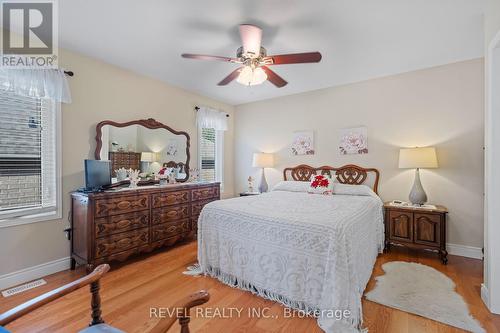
(255, 61)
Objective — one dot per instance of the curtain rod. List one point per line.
(197, 108)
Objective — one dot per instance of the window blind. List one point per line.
(27, 155)
(207, 154)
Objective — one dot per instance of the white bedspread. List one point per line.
(307, 251)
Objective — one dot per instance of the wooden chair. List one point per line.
(97, 324)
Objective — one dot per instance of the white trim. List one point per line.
(27, 219)
(35, 272)
(491, 180)
(464, 251)
(57, 212)
(484, 295)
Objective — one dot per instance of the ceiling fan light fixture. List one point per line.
(250, 76)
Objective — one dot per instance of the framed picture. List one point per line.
(171, 147)
(303, 143)
(353, 141)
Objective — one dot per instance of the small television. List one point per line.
(97, 175)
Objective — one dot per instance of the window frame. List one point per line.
(32, 215)
(219, 156)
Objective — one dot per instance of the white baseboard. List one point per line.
(464, 251)
(485, 295)
(34, 272)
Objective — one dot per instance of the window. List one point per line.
(210, 147)
(29, 166)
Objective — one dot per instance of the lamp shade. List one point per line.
(147, 157)
(413, 158)
(263, 160)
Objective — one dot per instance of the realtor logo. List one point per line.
(29, 33)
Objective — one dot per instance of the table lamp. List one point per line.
(263, 160)
(416, 158)
(147, 157)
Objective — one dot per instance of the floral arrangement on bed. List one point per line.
(321, 184)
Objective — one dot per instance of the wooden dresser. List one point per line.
(114, 225)
(122, 159)
(417, 228)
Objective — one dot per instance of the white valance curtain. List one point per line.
(42, 83)
(210, 118)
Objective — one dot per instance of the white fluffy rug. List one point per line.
(424, 291)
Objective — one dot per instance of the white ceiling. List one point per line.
(359, 39)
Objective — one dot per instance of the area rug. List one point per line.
(424, 291)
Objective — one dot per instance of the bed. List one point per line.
(310, 252)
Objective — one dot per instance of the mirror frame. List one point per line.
(148, 123)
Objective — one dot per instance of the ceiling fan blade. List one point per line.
(209, 57)
(295, 58)
(234, 74)
(274, 78)
(251, 37)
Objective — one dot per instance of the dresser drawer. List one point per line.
(170, 198)
(121, 205)
(166, 230)
(169, 214)
(121, 242)
(194, 225)
(205, 193)
(105, 226)
(196, 207)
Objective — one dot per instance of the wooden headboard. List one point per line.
(348, 174)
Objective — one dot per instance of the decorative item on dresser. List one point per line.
(126, 160)
(415, 227)
(114, 225)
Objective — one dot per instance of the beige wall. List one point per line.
(101, 91)
(440, 107)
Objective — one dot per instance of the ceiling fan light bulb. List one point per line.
(259, 76)
(250, 76)
(245, 76)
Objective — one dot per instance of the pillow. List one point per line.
(291, 186)
(346, 189)
(321, 184)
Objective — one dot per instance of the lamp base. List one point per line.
(417, 194)
(263, 183)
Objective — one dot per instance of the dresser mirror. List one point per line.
(146, 145)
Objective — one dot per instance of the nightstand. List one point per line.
(247, 194)
(417, 228)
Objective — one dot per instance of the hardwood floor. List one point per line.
(129, 291)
